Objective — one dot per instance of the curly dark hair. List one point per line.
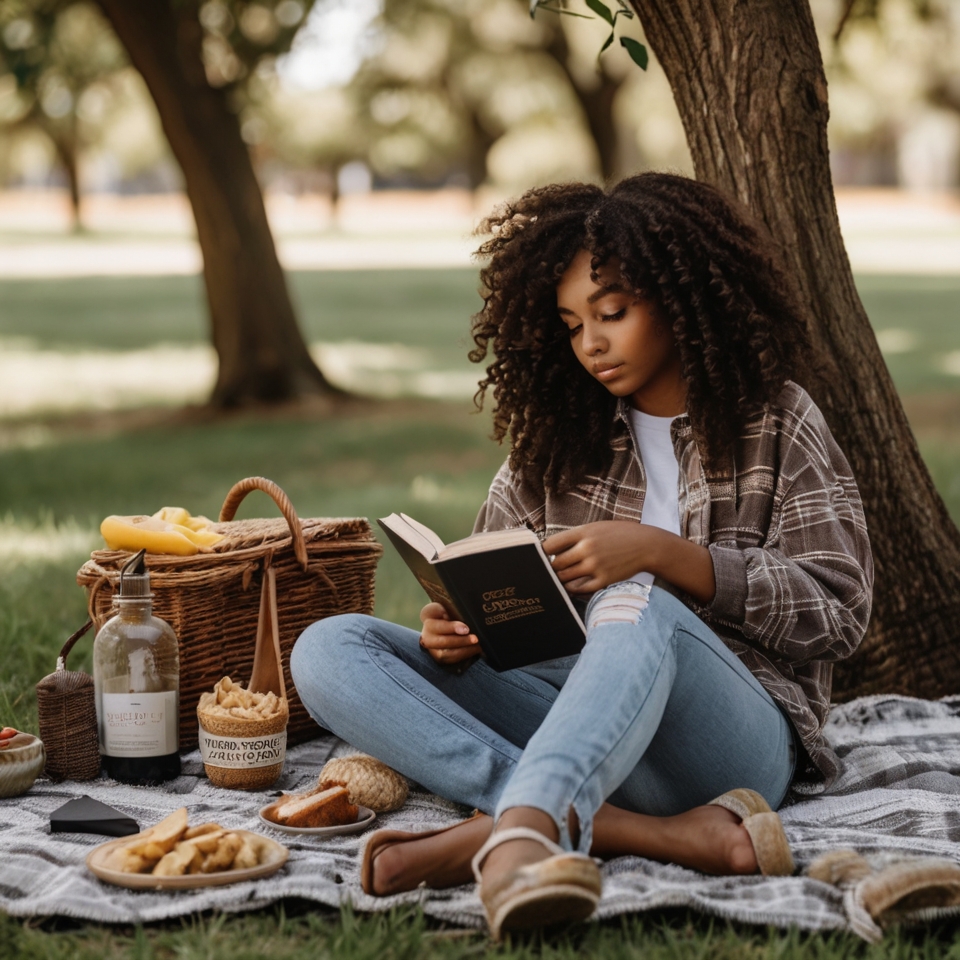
(713, 276)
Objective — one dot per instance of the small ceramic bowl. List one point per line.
(20, 766)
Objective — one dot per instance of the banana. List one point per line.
(171, 530)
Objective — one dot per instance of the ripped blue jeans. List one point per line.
(655, 715)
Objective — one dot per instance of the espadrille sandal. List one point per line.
(892, 889)
(563, 888)
(764, 829)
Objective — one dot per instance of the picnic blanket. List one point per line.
(898, 797)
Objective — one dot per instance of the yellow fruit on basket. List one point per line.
(159, 535)
(177, 515)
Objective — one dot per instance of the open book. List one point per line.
(500, 584)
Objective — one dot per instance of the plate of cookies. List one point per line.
(323, 811)
(175, 856)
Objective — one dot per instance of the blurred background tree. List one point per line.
(475, 92)
(894, 90)
(196, 61)
(60, 76)
(459, 92)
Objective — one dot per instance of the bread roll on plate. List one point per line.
(328, 807)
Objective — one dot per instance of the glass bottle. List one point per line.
(136, 676)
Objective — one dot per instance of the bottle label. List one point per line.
(140, 724)
(242, 753)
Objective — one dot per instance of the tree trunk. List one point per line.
(749, 84)
(262, 354)
(67, 154)
(478, 147)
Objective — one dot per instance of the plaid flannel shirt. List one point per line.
(785, 528)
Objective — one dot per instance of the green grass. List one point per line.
(427, 309)
(303, 932)
(928, 308)
(432, 460)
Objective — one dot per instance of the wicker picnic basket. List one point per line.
(323, 566)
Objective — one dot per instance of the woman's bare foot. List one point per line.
(439, 861)
(710, 839)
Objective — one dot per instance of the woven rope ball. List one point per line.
(67, 714)
(371, 783)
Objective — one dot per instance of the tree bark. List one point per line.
(262, 355)
(749, 83)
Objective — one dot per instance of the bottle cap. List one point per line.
(135, 579)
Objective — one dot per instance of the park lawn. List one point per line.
(426, 309)
(429, 459)
(432, 460)
(303, 932)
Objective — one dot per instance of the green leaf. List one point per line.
(637, 51)
(533, 8)
(601, 10)
(606, 44)
(622, 11)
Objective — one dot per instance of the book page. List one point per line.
(482, 542)
(416, 535)
(435, 542)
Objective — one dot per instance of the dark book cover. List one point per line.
(508, 596)
(86, 815)
(512, 603)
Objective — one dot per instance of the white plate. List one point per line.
(364, 818)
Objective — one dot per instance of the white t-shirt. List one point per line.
(661, 505)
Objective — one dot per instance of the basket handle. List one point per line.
(239, 490)
(68, 646)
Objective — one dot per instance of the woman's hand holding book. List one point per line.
(594, 555)
(447, 641)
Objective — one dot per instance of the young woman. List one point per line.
(643, 342)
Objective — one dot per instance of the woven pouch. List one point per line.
(371, 783)
(67, 711)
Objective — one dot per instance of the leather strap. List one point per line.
(515, 833)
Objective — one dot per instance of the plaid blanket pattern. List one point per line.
(897, 797)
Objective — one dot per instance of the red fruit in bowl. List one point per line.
(8, 732)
